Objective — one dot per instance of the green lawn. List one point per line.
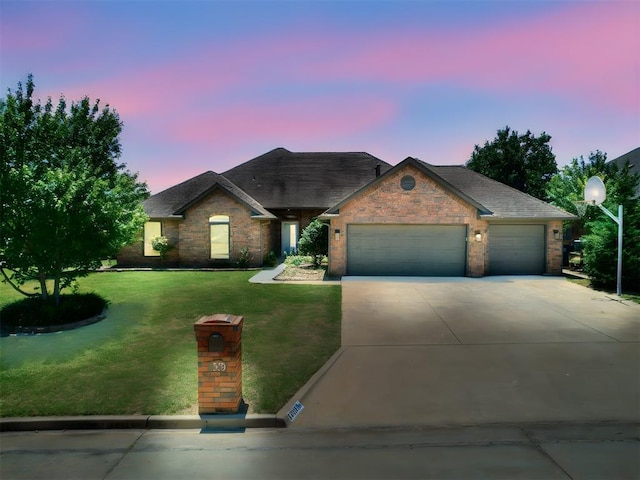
(633, 297)
(142, 358)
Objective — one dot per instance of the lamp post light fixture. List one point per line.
(594, 194)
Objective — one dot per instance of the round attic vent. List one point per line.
(407, 182)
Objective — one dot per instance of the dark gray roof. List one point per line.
(494, 200)
(284, 179)
(502, 201)
(633, 157)
(173, 201)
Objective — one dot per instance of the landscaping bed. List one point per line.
(302, 272)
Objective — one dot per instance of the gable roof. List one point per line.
(494, 200)
(173, 201)
(284, 179)
(502, 201)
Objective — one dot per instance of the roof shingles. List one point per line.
(503, 201)
(284, 179)
(175, 200)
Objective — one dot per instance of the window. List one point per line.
(219, 232)
(151, 230)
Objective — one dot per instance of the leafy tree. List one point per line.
(65, 203)
(566, 188)
(599, 232)
(314, 241)
(524, 162)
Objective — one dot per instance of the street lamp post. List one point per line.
(594, 194)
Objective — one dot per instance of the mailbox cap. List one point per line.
(220, 319)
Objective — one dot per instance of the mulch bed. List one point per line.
(302, 272)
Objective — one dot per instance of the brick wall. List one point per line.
(133, 255)
(426, 203)
(191, 237)
(195, 249)
(554, 248)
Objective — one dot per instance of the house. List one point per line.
(633, 159)
(261, 205)
(409, 219)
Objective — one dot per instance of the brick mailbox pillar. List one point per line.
(219, 340)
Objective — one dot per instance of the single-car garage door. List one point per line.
(516, 249)
(412, 250)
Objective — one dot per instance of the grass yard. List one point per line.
(142, 358)
(633, 297)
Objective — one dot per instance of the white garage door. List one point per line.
(412, 250)
(516, 249)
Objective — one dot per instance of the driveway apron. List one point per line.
(462, 351)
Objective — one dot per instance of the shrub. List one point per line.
(35, 312)
(297, 260)
(245, 258)
(601, 252)
(314, 241)
(271, 260)
(161, 244)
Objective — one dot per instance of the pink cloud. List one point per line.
(585, 50)
(36, 28)
(309, 119)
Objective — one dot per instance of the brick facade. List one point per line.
(191, 236)
(383, 202)
(427, 203)
(554, 248)
(134, 254)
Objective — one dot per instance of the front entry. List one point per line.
(289, 236)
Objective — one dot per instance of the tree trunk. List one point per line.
(56, 289)
(44, 293)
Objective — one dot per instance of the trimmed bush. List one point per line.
(314, 241)
(34, 312)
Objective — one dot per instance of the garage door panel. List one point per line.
(516, 249)
(425, 250)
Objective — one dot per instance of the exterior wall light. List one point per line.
(556, 234)
(336, 234)
(478, 236)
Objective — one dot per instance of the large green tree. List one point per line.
(599, 232)
(524, 162)
(65, 201)
(566, 188)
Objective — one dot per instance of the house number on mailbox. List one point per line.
(217, 367)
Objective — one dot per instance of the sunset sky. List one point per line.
(206, 85)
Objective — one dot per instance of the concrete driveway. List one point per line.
(450, 352)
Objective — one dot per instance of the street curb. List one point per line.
(308, 386)
(208, 422)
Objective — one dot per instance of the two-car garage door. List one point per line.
(441, 250)
(412, 250)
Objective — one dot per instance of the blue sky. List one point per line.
(206, 85)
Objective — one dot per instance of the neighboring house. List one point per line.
(410, 219)
(633, 157)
